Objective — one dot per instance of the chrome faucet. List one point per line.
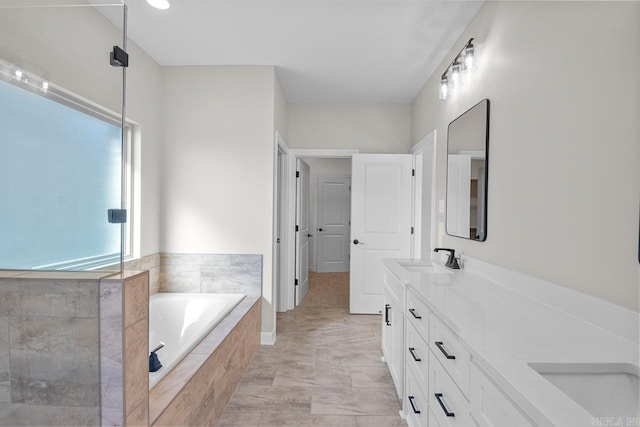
(452, 262)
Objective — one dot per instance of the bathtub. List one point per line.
(180, 321)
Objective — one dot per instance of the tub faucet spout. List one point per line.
(154, 362)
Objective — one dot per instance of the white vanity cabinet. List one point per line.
(416, 402)
(393, 329)
(490, 407)
(450, 352)
(447, 403)
(433, 369)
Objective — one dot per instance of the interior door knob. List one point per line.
(357, 242)
(309, 235)
(320, 229)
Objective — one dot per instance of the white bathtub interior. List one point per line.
(180, 321)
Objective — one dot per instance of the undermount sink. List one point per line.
(603, 389)
(423, 268)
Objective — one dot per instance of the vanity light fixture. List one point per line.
(453, 76)
(160, 4)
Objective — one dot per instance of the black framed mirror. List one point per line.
(467, 173)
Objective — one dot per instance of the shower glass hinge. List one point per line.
(117, 216)
(118, 57)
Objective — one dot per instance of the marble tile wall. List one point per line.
(211, 273)
(206, 273)
(49, 346)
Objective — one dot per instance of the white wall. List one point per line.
(218, 164)
(77, 59)
(318, 167)
(280, 266)
(371, 128)
(281, 109)
(564, 157)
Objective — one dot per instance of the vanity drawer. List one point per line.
(449, 406)
(415, 405)
(490, 407)
(418, 314)
(417, 356)
(448, 349)
(394, 285)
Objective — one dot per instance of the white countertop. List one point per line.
(505, 330)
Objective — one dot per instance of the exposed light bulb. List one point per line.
(455, 74)
(160, 4)
(469, 57)
(18, 74)
(45, 86)
(444, 88)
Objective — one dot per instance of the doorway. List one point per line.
(322, 219)
(422, 210)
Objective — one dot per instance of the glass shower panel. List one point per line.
(61, 146)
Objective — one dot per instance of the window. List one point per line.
(61, 169)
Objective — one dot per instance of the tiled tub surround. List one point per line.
(203, 273)
(217, 273)
(49, 346)
(150, 263)
(196, 391)
(179, 321)
(124, 332)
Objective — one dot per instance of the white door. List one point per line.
(459, 195)
(380, 223)
(334, 200)
(302, 231)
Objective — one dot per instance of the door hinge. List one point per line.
(413, 172)
(411, 230)
(296, 282)
(297, 228)
(297, 174)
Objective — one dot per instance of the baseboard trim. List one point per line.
(268, 338)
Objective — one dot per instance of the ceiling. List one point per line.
(325, 51)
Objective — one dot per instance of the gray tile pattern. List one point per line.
(210, 273)
(324, 370)
(49, 349)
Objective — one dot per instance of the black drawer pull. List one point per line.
(441, 347)
(413, 354)
(415, 411)
(387, 307)
(444, 408)
(413, 313)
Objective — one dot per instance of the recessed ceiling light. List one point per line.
(159, 4)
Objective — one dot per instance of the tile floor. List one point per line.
(324, 369)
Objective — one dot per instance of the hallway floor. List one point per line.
(324, 369)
